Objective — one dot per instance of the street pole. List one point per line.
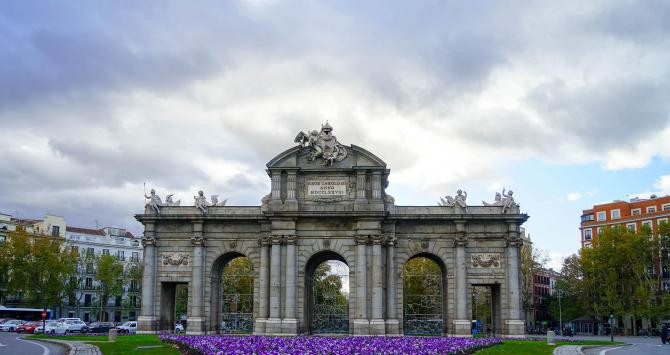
(611, 327)
(560, 313)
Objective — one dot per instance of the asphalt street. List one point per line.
(13, 344)
(638, 346)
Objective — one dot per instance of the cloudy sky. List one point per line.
(567, 103)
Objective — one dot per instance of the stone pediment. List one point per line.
(298, 158)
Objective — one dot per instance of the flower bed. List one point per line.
(214, 345)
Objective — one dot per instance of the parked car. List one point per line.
(67, 319)
(11, 325)
(127, 327)
(76, 325)
(28, 327)
(2, 320)
(56, 327)
(40, 328)
(178, 328)
(100, 327)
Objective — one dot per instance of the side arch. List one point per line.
(216, 287)
(414, 324)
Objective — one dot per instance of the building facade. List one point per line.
(633, 214)
(543, 286)
(328, 203)
(86, 303)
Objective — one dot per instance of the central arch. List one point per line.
(232, 299)
(424, 295)
(327, 294)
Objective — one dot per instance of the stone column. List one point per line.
(276, 185)
(263, 291)
(514, 324)
(196, 320)
(291, 192)
(360, 188)
(377, 324)
(146, 322)
(376, 185)
(289, 322)
(361, 322)
(462, 321)
(392, 323)
(273, 324)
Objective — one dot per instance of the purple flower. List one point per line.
(216, 344)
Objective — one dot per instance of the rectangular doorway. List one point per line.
(174, 304)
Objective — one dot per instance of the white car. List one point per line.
(11, 325)
(76, 325)
(127, 327)
(178, 328)
(53, 327)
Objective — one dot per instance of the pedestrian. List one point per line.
(664, 333)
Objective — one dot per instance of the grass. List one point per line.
(532, 347)
(126, 344)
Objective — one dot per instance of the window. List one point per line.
(105, 251)
(2, 239)
(636, 211)
(662, 220)
(601, 216)
(587, 234)
(136, 256)
(615, 214)
(133, 285)
(587, 218)
(665, 207)
(651, 209)
(87, 300)
(89, 283)
(90, 251)
(600, 230)
(119, 255)
(55, 231)
(75, 249)
(117, 301)
(631, 226)
(647, 223)
(87, 317)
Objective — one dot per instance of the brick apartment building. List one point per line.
(632, 214)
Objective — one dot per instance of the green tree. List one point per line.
(111, 278)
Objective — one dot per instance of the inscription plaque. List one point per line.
(325, 188)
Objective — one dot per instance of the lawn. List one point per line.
(533, 347)
(123, 345)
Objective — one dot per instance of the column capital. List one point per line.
(391, 240)
(276, 239)
(460, 241)
(263, 241)
(198, 240)
(377, 239)
(290, 239)
(513, 242)
(146, 241)
(362, 239)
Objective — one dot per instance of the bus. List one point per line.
(24, 313)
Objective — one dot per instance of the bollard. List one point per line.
(551, 337)
(112, 335)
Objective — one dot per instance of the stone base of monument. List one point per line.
(392, 327)
(259, 326)
(462, 328)
(377, 327)
(361, 327)
(515, 327)
(195, 326)
(147, 325)
(289, 326)
(273, 326)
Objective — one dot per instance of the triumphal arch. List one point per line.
(328, 251)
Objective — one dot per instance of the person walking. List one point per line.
(664, 333)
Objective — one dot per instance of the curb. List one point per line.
(75, 348)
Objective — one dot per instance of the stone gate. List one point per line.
(328, 202)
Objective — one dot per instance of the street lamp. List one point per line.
(560, 313)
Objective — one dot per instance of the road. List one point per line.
(639, 346)
(12, 344)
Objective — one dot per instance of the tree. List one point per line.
(110, 276)
(618, 274)
(532, 259)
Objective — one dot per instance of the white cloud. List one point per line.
(663, 184)
(573, 196)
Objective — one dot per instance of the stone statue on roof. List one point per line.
(201, 202)
(170, 202)
(322, 145)
(458, 200)
(154, 201)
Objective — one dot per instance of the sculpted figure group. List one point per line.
(322, 145)
(505, 200)
(201, 203)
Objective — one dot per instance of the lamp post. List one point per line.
(560, 313)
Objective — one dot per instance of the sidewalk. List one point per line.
(75, 347)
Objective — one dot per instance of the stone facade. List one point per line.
(324, 207)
